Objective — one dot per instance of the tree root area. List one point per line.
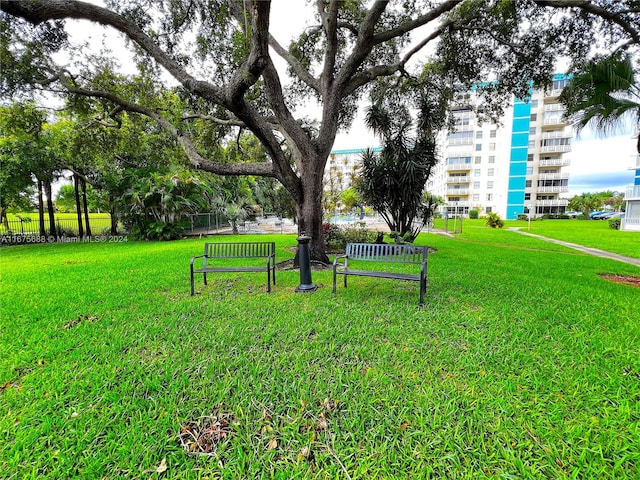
(626, 279)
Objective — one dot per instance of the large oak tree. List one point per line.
(221, 55)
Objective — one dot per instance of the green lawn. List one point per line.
(524, 363)
(591, 233)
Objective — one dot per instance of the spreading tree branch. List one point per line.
(593, 9)
(197, 160)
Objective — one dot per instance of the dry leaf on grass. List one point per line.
(162, 467)
(203, 437)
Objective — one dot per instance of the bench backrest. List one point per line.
(383, 252)
(240, 250)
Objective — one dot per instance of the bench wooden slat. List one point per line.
(383, 253)
(236, 250)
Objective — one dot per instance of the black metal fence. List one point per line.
(205, 222)
(26, 229)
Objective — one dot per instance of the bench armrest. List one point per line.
(344, 263)
(193, 259)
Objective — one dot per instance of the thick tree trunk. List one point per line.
(50, 210)
(43, 231)
(83, 184)
(114, 221)
(310, 216)
(76, 194)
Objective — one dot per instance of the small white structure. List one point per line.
(631, 220)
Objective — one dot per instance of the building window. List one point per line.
(478, 147)
(532, 131)
(490, 184)
(492, 134)
(492, 159)
(490, 172)
(527, 196)
(476, 172)
(559, 84)
(476, 197)
(530, 157)
(460, 138)
(529, 170)
(554, 142)
(479, 134)
(478, 159)
(534, 103)
(492, 147)
(489, 197)
(488, 209)
(527, 184)
(532, 143)
(476, 184)
(533, 117)
(456, 160)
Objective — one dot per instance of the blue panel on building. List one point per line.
(519, 155)
(513, 210)
(521, 109)
(516, 184)
(518, 168)
(637, 180)
(521, 125)
(515, 198)
(520, 140)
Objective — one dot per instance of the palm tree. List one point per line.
(603, 92)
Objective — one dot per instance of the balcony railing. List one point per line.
(459, 166)
(464, 179)
(457, 191)
(553, 121)
(553, 176)
(557, 189)
(555, 162)
(555, 149)
(554, 107)
(632, 193)
(460, 141)
(553, 93)
(458, 204)
(560, 202)
(562, 134)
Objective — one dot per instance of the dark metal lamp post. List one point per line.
(306, 284)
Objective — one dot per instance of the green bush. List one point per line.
(493, 220)
(337, 237)
(614, 223)
(473, 214)
(401, 239)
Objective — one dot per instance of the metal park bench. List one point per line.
(383, 253)
(221, 257)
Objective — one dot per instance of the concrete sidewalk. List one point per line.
(591, 251)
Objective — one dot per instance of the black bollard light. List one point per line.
(306, 284)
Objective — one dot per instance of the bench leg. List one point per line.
(205, 278)
(192, 292)
(334, 280)
(423, 289)
(268, 280)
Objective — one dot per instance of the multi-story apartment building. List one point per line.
(631, 220)
(509, 168)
